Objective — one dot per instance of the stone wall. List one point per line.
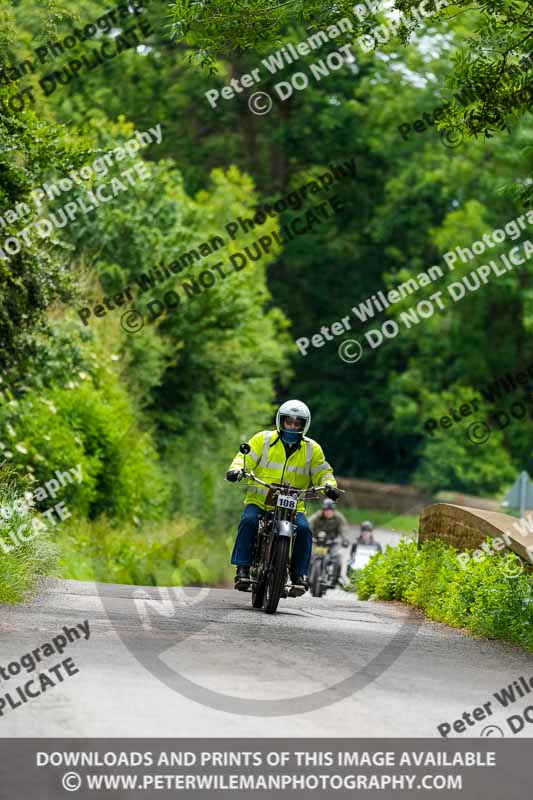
(383, 496)
(401, 498)
(467, 528)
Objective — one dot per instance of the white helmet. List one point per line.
(294, 408)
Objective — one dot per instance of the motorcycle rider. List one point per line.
(283, 454)
(335, 526)
(365, 537)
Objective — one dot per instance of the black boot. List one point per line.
(300, 580)
(242, 579)
(299, 585)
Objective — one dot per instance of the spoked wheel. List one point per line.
(314, 579)
(258, 592)
(277, 575)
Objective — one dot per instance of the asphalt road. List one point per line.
(204, 663)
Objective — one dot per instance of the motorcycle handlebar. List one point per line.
(292, 489)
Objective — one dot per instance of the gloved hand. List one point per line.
(233, 475)
(331, 492)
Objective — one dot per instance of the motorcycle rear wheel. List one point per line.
(275, 580)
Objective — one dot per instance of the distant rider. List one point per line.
(284, 454)
(335, 526)
(366, 537)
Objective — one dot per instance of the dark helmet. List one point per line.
(328, 503)
(367, 526)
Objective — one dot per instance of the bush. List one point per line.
(354, 581)
(173, 553)
(26, 552)
(387, 574)
(483, 597)
(90, 421)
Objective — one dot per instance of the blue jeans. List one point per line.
(244, 544)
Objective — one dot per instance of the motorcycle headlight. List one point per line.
(285, 527)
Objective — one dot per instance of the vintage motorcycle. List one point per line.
(325, 568)
(270, 571)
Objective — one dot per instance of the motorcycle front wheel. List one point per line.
(314, 579)
(277, 574)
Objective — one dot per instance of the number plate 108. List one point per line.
(285, 501)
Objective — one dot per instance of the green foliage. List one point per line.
(354, 581)
(32, 279)
(173, 553)
(88, 421)
(387, 575)
(449, 458)
(26, 551)
(219, 26)
(482, 597)
(493, 64)
(412, 200)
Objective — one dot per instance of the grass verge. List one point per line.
(26, 550)
(405, 523)
(175, 553)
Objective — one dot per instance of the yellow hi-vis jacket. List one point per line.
(304, 467)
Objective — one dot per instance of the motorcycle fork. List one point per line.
(272, 538)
